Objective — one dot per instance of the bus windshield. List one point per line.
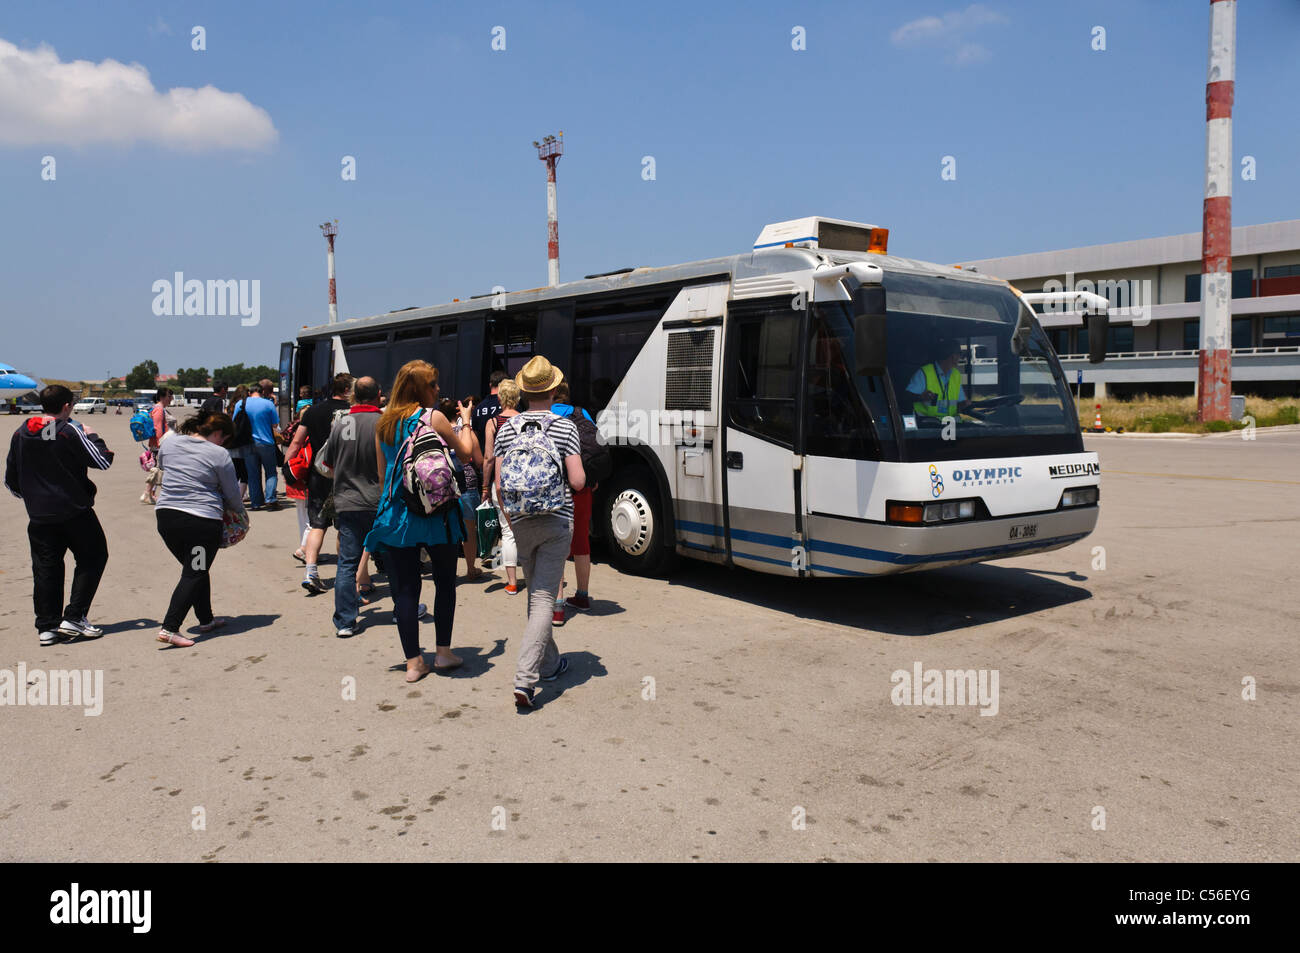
(970, 374)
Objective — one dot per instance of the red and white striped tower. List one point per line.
(549, 151)
(1214, 380)
(330, 229)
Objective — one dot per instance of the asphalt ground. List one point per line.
(1121, 731)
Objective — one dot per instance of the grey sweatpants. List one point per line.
(543, 544)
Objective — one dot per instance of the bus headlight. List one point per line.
(904, 512)
(1081, 496)
(930, 514)
(949, 512)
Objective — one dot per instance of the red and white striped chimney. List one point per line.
(1214, 376)
(330, 230)
(549, 151)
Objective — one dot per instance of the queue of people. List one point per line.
(400, 477)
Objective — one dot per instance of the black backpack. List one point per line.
(596, 459)
(243, 427)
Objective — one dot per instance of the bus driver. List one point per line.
(936, 387)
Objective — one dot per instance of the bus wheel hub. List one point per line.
(632, 522)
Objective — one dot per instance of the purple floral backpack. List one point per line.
(427, 474)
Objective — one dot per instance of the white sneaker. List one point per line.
(51, 638)
(80, 627)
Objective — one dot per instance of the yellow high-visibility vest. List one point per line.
(947, 404)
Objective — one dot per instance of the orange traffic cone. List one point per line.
(1096, 424)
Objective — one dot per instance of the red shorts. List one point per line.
(581, 545)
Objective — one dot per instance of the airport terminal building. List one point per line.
(1153, 343)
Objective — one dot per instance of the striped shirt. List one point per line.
(562, 433)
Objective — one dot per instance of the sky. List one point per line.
(222, 162)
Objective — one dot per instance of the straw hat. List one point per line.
(538, 376)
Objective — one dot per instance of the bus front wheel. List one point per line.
(634, 524)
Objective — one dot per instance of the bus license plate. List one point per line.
(1024, 531)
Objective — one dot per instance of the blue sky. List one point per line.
(1057, 145)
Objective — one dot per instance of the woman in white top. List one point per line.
(508, 394)
(198, 486)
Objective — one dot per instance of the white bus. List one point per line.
(758, 409)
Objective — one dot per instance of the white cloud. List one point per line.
(46, 102)
(950, 33)
(970, 53)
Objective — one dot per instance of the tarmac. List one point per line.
(1147, 701)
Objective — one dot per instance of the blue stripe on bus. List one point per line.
(837, 570)
(806, 238)
(876, 555)
(763, 559)
(859, 552)
(764, 539)
(708, 549)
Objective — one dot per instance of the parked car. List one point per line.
(90, 405)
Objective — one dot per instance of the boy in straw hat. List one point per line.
(542, 539)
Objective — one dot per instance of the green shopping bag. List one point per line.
(489, 528)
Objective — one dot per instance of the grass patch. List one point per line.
(1145, 414)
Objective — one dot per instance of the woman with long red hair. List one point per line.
(400, 534)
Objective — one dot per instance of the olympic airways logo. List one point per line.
(936, 482)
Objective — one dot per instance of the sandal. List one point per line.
(365, 592)
(210, 626)
(171, 638)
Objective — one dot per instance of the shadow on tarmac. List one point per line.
(235, 625)
(920, 603)
(583, 667)
(129, 625)
(476, 661)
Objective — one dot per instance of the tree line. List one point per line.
(144, 376)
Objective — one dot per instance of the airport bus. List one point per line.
(194, 396)
(757, 405)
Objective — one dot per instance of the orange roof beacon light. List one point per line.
(879, 244)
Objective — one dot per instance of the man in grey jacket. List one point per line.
(349, 457)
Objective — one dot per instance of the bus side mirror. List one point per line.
(1098, 328)
(869, 350)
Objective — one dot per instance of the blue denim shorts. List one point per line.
(469, 501)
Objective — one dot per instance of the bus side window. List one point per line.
(764, 373)
(836, 421)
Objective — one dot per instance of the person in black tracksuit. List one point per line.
(48, 459)
(216, 404)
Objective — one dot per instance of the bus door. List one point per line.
(760, 414)
(288, 381)
(689, 428)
